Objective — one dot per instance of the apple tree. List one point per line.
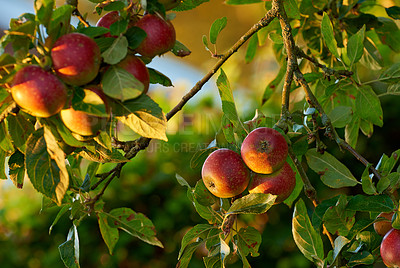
(65, 89)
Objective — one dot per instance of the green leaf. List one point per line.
(251, 49)
(60, 21)
(217, 26)
(3, 165)
(180, 50)
(228, 103)
(157, 77)
(200, 156)
(352, 130)
(299, 184)
(393, 12)
(45, 165)
(16, 165)
(367, 184)
(306, 238)
(272, 86)
(340, 243)
(248, 241)
(189, 4)
(321, 209)
(391, 74)
(44, 9)
(341, 116)
(198, 231)
(187, 254)
(383, 184)
(135, 224)
(202, 195)
(386, 164)
(119, 27)
(333, 173)
(205, 42)
(368, 106)
(60, 213)
(242, 2)
(143, 116)
(291, 8)
(338, 219)
(228, 129)
(20, 129)
(93, 31)
(256, 203)
(114, 6)
(110, 234)
(327, 34)
(360, 258)
(102, 155)
(117, 51)
(120, 84)
(355, 46)
(135, 36)
(372, 203)
(5, 139)
(69, 250)
(88, 101)
(275, 37)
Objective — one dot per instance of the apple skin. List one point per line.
(76, 58)
(39, 92)
(280, 183)
(108, 19)
(264, 150)
(390, 248)
(83, 123)
(382, 227)
(137, 68)
(224, 173)
(160, 37)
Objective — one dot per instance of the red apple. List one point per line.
(83, 123)
(39, 92)
(160, 37)
(137, 68)
(224, 173)
(382, 227)
(76, 58)
(264, 150)
(390, 248)
(280, 183)
(108, 19)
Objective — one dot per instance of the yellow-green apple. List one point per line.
(390, 248)
(224, 173)
(137, 68)
(160, 37)
(83, 123)
(76, 58)
(38, 92)
(280, 183)
(264, 150)
(384, 226)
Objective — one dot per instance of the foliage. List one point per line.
(323, 49)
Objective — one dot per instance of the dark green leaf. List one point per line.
(291, 8)
(338, 219)
(143, 116)
(339, 243)
(228, 129)
(355, 46)
(393, 12)
(200, 230)
(391, 74)
(327, 34)
(69, 250)
(104, 43)
(360, 258)
(367, 184)
(88, 101)
(321, 209)
(272, 86)
(394, 179)
(118, 27)
(255, 203)
(16, 165)
(333, 173)
(368, 105)
(217, 26)
(202, 195)
(109, 233)
(44, 9)
(360, 226)
(248, 241)
(102, 155)
(5, 139)
(189, 4)
(120, 84)
(93, 31)
(135, 224)
(60, 21)
(228, 103)
(205, 42)
(180, 50)
(187, 254)
(242, 2)
(341, 116)
(20, 129)
(306, 238)
(386, 164)
(157, 77)
(251, 48)
(383, 184)
(60, 213)
(200, 156)
(117, 51)
(366, 127)
(114, 6)
(299, 184)
(135, 36)
(45, 165)
(373, 203)
(352, 130)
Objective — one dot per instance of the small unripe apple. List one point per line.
(280, 183)
(390, 248)
(170, 4)
(224, 173)
(382, 227)
(108, 19)
(83, 123)
(137, 68)
(264, 150)
(160, 37)
(39, 92)
(76, 58)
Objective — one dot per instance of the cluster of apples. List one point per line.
(261, 167)
(76, 61)
(390, 245)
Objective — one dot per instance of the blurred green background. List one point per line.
(148, 183)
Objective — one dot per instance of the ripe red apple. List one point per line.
(39, 92)
(108, 19)
(83, 123)
(224, 173)
(137, 68)
(264, 150)
(280, 183)
(160, 37)
(382, 227)
(76, 58)
(390, 248)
